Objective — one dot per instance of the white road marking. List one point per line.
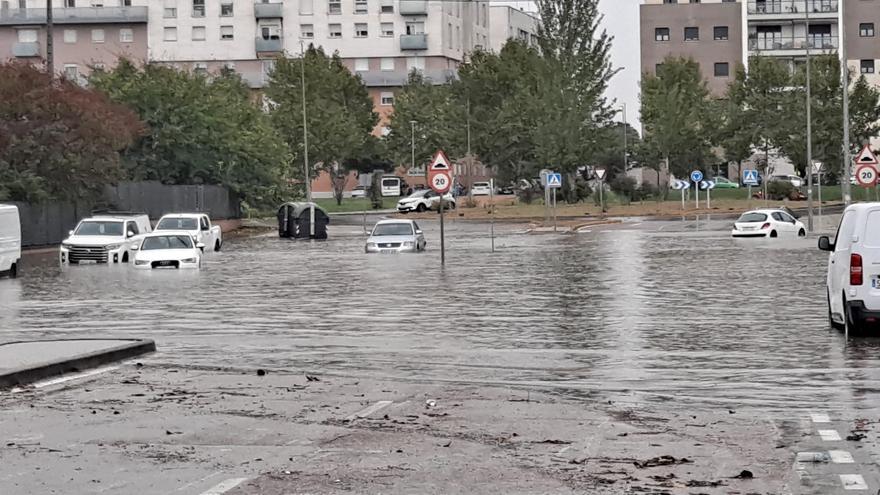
(841, 457)
(64, 379)
(225, 486)
(830, 435)
(382, 404)
(820, 418)
(853, 482)
(199, 481)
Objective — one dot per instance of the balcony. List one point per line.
(818, 44)
(792, 9)
(413, 41)
(78, 15)
(263, 10)
(413, 7)
(26, 49)
(269, 46)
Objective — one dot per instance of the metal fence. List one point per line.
(49, 223)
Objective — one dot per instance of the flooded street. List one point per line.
(666, 318)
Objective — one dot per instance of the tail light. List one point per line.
(765, 226)
(855, 269)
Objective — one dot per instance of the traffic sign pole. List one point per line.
(492, 217)
(442, 236)
(554, 210)
(440, 178)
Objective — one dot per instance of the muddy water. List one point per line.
(658, 312)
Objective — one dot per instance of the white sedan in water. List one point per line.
(396, 236)
(168, 249)
(768, 223)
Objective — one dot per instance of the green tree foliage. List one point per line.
(199, 130)
(58, 140)
(339, 113)
(678, 116)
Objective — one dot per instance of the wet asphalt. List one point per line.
(671, 315)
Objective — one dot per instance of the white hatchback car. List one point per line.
(481, 189)
(168, 249)
(768, 223)
(853, 279)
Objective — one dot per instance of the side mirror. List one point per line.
(130, 234)
(419, 232)
(135, 247)
(70, 233)
(201, 246)
(825, 244)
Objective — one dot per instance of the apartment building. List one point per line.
(506, 23)
(861, 19)
(86, 33)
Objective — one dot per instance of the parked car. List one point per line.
(768, 223)
(168, 249)
(104, 238)
(794, 180)
(853, 274)
(481, 189)
(396, 236)
(197, 224)
(425, 200)
(507, 190)
(724, 183)
(359, 192)
(10, 240)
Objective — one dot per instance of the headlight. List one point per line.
(112, 247)
(141, 262)
(66, 245)
(188, 260)
(371, 244)
(408, 244)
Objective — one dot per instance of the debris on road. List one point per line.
(663, 460)
(312, 378)
(261, 372)
(744, 475)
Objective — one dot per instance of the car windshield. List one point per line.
(385, 229)
(178, 223)
(181, 241)
(481, 184)
(752, 217)
(418, 194)
(100, 228)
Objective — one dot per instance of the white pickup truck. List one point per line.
(197, 224)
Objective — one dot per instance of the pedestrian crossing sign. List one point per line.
(750, 177)
(554, 180)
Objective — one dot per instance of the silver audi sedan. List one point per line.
(396, 236)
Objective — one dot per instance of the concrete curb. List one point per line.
(37, 372)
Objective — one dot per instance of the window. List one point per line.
(198, 8)
(387, 29)
(126, 35)
(449, 34)
(360, 30)
(334, 7)
(872, 236)
(721, 33)
(226, 9)
(132, 227)
(226, 33)
(200, 68)
(198, 33)
(307, 31)
(360, 6)
(387, 99)
(268, 66)
(361, 64)
(70, 4)
(722, 69)
(691, 34)
(70, 35)
(229, 66)
(97, 35)
(335, 30)
(27, 35)
(306, 7)
(170, 34)
(71, 72)
(415, 28)
(387, 7)
(866, 30)
(457, 36)
(387, 64)
(868, 66)
(170, 13)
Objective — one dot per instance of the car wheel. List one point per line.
(773, 234)
(854, 326)
(217, 246)
(13, 271)
(802, 233)
(421, 208)
(833, 324)
(125, 257)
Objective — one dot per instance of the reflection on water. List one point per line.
(640, 315)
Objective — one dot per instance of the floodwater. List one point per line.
(657, 312)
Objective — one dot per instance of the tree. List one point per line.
(58, 140)
(678, 116)
(864, 112)
(339, 112)
(200, 130)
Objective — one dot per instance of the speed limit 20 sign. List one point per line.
(866, 175)
(440, 174)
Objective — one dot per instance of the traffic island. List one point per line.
(22, 363)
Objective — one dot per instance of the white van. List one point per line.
(391, 186)
(10, 240)
(853, 279)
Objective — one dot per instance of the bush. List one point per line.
(647, 190)
(624, 186)
(779, 190)
(528, 194)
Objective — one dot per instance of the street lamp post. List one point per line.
(50, 43)
(625, 154)
(412, 124)
(306, 168)
(809, 130)
(844, 74)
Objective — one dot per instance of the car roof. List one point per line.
(113, 217)
(163, 233)
(183, 215)
(384, 222)
(767, 210)
(862, 206)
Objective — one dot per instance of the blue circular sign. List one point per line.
(696, 176)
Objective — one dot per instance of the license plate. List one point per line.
(389, 251)
(166, 263)
(875, 282)
(749, 228)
